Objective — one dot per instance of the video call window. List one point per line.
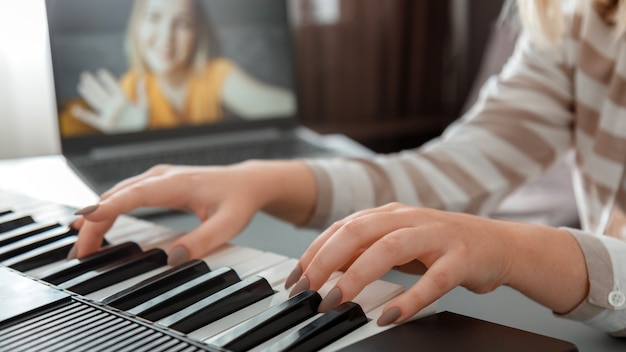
(125, 66)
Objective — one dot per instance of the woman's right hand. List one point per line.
(111, 110)
(224, 199)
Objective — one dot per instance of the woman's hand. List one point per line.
(455, 250)
(223, 198)
(112, 110)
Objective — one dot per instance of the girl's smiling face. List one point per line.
(167, 36)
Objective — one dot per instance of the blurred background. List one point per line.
(390, 74)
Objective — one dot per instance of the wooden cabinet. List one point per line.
(384, 72)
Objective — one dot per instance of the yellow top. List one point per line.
(202, 105)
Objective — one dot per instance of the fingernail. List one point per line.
(389, 316)
(87, 210)
(72, 253)
(294, 276)
(332, 300)
(302, 285)
(177, 256)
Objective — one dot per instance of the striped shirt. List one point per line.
(546, 102)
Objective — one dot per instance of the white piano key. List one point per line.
(371, 328)
(107, 291)
(257, 264)
(212, 331)
(371, 298)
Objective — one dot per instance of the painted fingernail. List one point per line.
(389, 316)
(332, 300)
(294, 276)
(87, 210)
(177, 256)
(72, 253)
(302, 285)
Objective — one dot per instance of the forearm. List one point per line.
(286, 189)
(548, 266)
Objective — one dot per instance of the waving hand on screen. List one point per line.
(111, 110)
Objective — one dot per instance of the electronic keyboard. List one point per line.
(126, 298)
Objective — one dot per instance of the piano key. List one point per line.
(329, 327)
(281, 295)
(154, 286)
(12, 221)
(74, 267)
(24, 232)
(5, 212)
(185, 295)
(257, 264)
(232, 258)
(43, 255)
(35, 241)
(121, 270)
(218, 305)
(269, 323)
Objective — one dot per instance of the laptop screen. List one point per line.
(127, 70)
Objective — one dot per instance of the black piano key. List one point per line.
(154, 286)
(41, 256)
(186, 294)
(269, 323)
(5, 212)
(118, 271)
(35, 241)
(219, 305)
(72, 268)
(326, 329)
(44, 255)
(14, 222)
(24, 232)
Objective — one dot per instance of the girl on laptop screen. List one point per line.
(175, 77)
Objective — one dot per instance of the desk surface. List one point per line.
(504, 305)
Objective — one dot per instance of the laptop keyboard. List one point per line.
(108, 172)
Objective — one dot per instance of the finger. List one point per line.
(109, 83)
(317, 244)
(129, 182)
(90, 237)
(354, 235)
(438, 280)
(153, 192)
(91, 89)
(395, 248)
(225, 224)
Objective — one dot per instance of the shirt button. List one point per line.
(617, 299)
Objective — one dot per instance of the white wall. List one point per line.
(27, 120)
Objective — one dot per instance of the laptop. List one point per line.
(194, 82)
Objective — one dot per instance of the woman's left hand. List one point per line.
(456, 250)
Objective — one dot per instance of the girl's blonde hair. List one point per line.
(206, 46)
(543, 19)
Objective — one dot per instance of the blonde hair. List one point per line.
(543, 19)
(206, 46)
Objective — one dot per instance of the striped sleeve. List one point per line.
(521, 124)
